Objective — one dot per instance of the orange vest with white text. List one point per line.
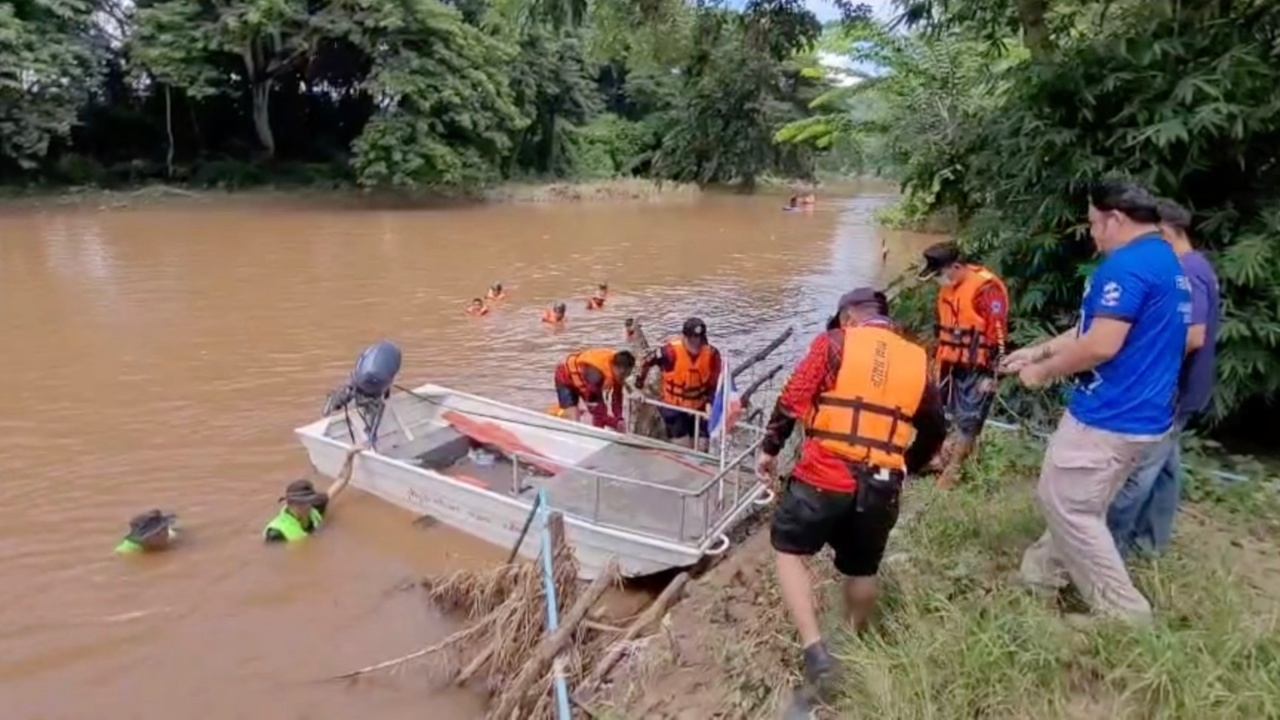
(962, 332)
(686, 384)
(599, 358)
(867, 416)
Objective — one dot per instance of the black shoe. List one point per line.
(819, 673)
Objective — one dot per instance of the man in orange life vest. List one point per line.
(690, 371)
(587, 376)
(861, 392)
(972, 325)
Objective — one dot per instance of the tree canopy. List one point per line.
(404, 93)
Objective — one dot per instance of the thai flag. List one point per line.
(727, 405)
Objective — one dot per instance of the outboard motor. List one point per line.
(369, 387)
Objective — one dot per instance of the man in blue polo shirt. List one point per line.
(1124, 358)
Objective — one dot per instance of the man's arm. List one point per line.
(1196, 331)
(798, 395)
(344, 478)
(992, 305)
(1115, 308)
(930, 422)
(717, 365)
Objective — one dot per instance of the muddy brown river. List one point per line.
(161, 357)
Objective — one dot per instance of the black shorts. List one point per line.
(680, 424)
(967, 406)
(807, 518)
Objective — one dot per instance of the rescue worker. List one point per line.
(304, 509)
(972, 327)
(149, 532)
(690, 369)
(496, 293)
(554, 315)
(860, 392)
(596, 301)
(587, 376)
(477, 307)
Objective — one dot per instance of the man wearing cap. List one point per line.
(861, 392)
(1124, 357)
(972, 325)
(304, 508)
(149, 532)
(690, 369)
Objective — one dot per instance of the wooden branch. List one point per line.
(445, 643)
(536, 667)
(755, 386)
(762, 353)
(656, 610)
(477, 662)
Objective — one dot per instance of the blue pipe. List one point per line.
(553, 615)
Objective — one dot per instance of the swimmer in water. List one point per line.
(496, 292)
(596, 301)
(554, 315)
(149, 532)
(477, 307)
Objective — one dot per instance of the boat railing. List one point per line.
(701, 511)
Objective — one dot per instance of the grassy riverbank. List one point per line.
(959, 637)
(616, 190)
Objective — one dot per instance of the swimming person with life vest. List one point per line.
(587, 376)
(861, 392)
(690, 369)
(477, 307)
(149, 532)
(596, 301)
(554, 315)
(495, 293)
(972, 317)
(305, 509)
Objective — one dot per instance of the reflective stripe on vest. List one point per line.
(600, 358)
(867, 416)
(686, 384)
(129, 547)
(961, 331)
(288, 526)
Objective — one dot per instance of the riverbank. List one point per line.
(957, 631)
(616, 190)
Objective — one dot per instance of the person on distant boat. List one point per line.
(477, 307)
(554, 315)
(596, 301)
(588, 376)
(149, 532)
(305, 509)
(690, 369)
(496, 293)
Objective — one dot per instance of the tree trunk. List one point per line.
(168, 127)
(1035, 32)
(262, 115)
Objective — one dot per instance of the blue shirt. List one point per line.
(1196, 386)
(1135, 392)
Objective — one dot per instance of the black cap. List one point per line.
(863, 296)
(149, 523)
(302, 492)
(694, 327)
(939, 256)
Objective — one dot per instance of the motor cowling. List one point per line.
(376, 369)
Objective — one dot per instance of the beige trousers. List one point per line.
(1082, 470)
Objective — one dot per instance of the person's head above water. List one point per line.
(623, 363)
(558, 309)
(151, 530)
(477, 302)
(695, 334)
(496, 288)
(300, 497)
(602, 288)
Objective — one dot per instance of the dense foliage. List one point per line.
(998, 114)
(403, 93)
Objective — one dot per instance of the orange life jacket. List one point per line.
(962, 332)
(686, 384)
(549, 316)
(599, 358)
(866, 417)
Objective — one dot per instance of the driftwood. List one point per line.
(762, 353)
(535, 668)
(652, 614)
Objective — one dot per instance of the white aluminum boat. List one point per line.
(478, 464)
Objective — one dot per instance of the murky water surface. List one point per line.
(161, 357)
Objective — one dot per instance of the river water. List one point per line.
(161, 356)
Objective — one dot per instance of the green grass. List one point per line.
(959, 638)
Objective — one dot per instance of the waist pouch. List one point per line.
(878, 488)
